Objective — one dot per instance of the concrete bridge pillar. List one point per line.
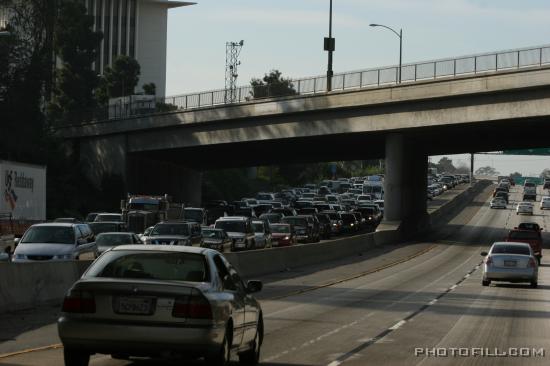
(405, 185)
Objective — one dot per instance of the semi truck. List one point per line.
(142, 211)
(22, 201)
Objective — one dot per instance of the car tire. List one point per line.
(252, 356)
(75, 358)
(534, 284)
(224, 354)
(485, 282)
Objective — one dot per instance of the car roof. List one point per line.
(162, 248)
(233, 218)
(116, 233)
(65, 224)
(510, 243)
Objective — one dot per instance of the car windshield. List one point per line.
(212, 234)
(529, 226)
(193, 215)
(111, 240)
(511, 249)
(525, 235)
(103, 227)
(258, 227)
(108, 217)
(49, 234)
(296, 221)
(144, 207)
(168, 266)
(231, 226)
(170, 229)
(333, 216)
(280, 229)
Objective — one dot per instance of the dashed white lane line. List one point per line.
(397, 325)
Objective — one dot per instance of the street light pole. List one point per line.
(400, 35)
(329, 46)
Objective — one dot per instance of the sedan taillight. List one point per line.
(194, 306)
(489, 261)
(532, 263)
(79, 302)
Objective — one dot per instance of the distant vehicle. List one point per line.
(56, 242)
(100, 217)
(195, 214)
(262, 234)
(529, 193)
(182, 301)
(282, 235)
(285, 211)
(533, 226)
(215, 238)
(524, 208)
(142, 211)
(349, 222)
(546, 184)
(335, 221)
(107, 241)
(502, 194)
(531, 237)
(272, 218)
(176, 233)
(305, 228)
(325, 226)
(510, 262)
(239, 229)
(497, 202)
(106, 226)
(545, 202)
(91, 217)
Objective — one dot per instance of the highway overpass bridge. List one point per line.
(403, 123)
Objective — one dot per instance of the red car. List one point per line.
(282, 235)
(531, 237)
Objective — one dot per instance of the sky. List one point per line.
(288, 35)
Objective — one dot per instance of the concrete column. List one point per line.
(405, 185)
(394, 178)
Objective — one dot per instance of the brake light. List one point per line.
(532, 263)
(489, 261)
(79, 302)
(194, 306)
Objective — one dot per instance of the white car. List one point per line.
(262, 234)
(510, 262)
(497, 202)
(545, 203)
(524, 208)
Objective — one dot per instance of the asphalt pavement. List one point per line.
(418, 303)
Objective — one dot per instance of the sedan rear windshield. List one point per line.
(231, 226)
(49, 234)
(525, 235)
(283, 229)
(170, 229)
(295, 221)
(511, 249)
(111, 240)
(168, 266)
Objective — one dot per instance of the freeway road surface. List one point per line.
(433, 299)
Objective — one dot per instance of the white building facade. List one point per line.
(135, 28)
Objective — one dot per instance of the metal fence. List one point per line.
(369, 78)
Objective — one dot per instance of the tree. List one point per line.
(462, 169)
(545, 173)
(76, 45)
(149, 89)
(121, 79)
(516, 175)
(445, 165)
(487, 170)
(272, 85)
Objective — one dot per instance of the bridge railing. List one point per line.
(369, 78)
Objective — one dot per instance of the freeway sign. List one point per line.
(541, 151)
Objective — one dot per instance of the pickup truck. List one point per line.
(531, 237)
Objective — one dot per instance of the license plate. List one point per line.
(510, 263)
(134, 305)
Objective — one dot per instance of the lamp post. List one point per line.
(329, 46)
(400, 35)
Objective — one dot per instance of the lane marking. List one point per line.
(397, 325)
(383, 334)
(45, 348)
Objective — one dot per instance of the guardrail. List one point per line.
(368, 78)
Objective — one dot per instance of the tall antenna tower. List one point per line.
(232, 52)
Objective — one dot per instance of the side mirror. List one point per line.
(484, 254)
(16, 241)
(254, 286)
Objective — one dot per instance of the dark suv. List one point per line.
(176, 233)
(305, 226)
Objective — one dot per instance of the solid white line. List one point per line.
(432, 302)
(453, 287)
(397, 325)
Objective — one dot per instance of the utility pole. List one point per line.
(329, 45)
(471, 169)
(232, 52)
